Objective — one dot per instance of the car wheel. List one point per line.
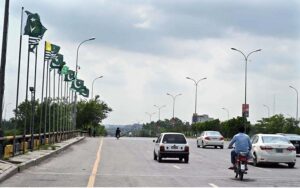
(198, 146)
(186, 159)
(154, 155)
(203, 146)
(159, 158)
(255, 163)
(291, 165)
(221, 147)
(180, 158)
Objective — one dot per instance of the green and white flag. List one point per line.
(70, 76)
(57, 62)
(84, 91)
(64, 70)
(77, 85)
(34, 29)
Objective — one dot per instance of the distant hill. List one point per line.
(125, 129)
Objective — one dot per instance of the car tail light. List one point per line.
(266, 148)
(291, 148)
(186, 148)
(162, 148)
(222, 138)
(206, 138)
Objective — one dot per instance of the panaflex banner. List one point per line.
(245, 110)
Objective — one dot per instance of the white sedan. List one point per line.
(272, 148)
(210, 138)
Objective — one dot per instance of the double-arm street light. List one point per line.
(76, 71)
(150, 115)
(159, 107)
(93, 85)
(268, 108)
(196, 84)
(174, 98)
(296, 102)
(227, 112)
(246, 64)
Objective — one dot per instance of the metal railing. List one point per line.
(23, 143)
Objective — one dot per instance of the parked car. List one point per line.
(210, 138)
(171, 145)
(272, 148)
(294, 139)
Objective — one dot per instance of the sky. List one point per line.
(145, 49)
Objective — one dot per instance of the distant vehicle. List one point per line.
(210, 138)
(171, 145)
(272, 148)
(294, 139)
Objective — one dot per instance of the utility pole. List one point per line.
(3, 57)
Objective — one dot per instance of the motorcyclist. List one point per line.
(118, 132)
(242, 144)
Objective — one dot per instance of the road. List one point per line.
(129, 162)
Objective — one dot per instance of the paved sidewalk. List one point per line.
(18, 163)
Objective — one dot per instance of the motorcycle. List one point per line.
(241, 162)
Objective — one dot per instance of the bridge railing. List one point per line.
(20, 144)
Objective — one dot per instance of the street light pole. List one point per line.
(297, 101)
(150, 115)
(174, 98)
(93, 85)
(76, 71)
(246, 64)
(227, 112)
(196, 84)
(267, 109)
(159, 107)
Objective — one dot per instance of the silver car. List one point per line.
(210, 138)
(272, 148)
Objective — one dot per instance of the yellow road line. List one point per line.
(92, 178)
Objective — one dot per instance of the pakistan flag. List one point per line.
(34, 27)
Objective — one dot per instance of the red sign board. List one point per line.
(245, 110)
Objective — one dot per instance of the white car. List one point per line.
(171, 145)
(210, 138)
(272, 148)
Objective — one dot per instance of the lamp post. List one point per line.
(174, 98)
(246, 107)
(268, 108)
(6, 110)
(93, 85)
(75, 108)
(32, 90)
(159, 107)
(150, 115)
(196, 84)
(227, 112)
(296, 102)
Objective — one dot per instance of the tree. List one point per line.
(91, 113)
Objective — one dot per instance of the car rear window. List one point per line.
(174, 139)
(275, 140)
(213, 133)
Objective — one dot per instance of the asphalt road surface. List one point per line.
(107, 162)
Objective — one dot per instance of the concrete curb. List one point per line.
(33, 162)
(8, 173)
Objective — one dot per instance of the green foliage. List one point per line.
(91, 113)
(276, 124)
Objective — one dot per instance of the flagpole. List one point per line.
(33, 103)
(58, 103)
(61, 106)
(50, 101)
(26, 96)
(18, 83)
(42, 99)
(53, 124)
(47, 102)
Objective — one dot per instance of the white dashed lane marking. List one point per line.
(176, 167)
